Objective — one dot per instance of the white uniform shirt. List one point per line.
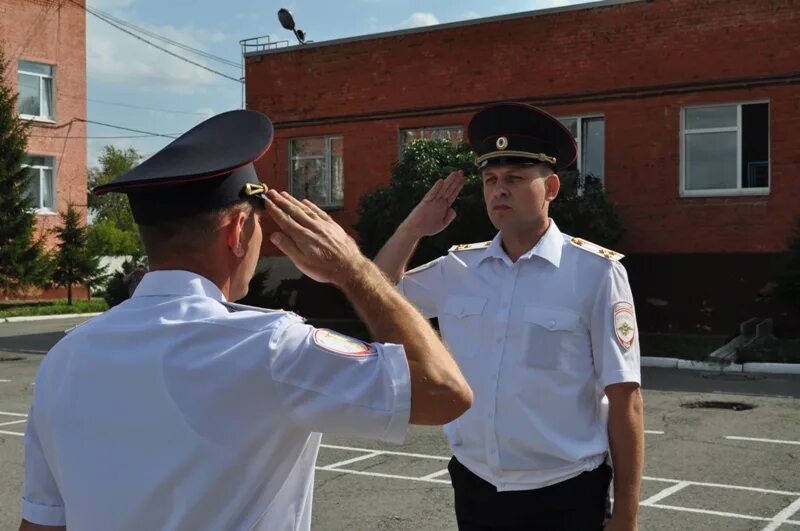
(536, 340)
(172, 412)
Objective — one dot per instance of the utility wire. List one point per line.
(186, 47)
(154, 45)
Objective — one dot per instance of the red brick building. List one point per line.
(688, 109)
(44, 42)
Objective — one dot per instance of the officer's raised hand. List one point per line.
(317, 245)
(434, 213)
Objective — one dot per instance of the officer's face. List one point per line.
(517, 196)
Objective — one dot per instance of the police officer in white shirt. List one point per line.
(177, 410)
(543, 326)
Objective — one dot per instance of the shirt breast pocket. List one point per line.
(548, 334)
(461, 322)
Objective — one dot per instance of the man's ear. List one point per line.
(235, 233)
(552, 184)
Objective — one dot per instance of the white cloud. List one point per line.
(109, 5)
(117, 58)
(417, 20)
(208, 112)
(545, 4)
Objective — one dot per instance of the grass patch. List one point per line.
(681, 346)
(771, 350)
(57, 307)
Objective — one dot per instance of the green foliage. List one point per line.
(112, 211)
(23, 262)
(122, 283)
(51, 308)
(74, 262)
(106, 239)
(421, 164)
(582, 207)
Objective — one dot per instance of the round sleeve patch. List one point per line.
(624, 324)
(342, 344)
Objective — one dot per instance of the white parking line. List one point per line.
(669, 491)
(380, 475)
(12, 433)
(783, 516)
(756, 439)
(13, 422)
(654, 432)
(5, 381)
(349, 461)
(712, 513)
(436, 474)
(421, 456)
(724, 486)
(652, 502)
(13, 414)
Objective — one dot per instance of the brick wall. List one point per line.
(53, 32)
(635, 63)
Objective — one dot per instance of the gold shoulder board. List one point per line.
(596, 249)
(468, 246)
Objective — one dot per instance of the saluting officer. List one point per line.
(543, 326)
(180, 410)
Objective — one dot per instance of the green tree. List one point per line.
(23, 262)
(113, 231)
(106, 239)
(74, 263)
(582, 207)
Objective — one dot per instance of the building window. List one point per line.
(316, 170)
(452, 133)
(590, 136)
(36, 91)
(41, 187)
(725, 150)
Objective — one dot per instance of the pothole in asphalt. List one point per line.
(718, 404)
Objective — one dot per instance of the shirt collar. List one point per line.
(548, 247)
(177, 282)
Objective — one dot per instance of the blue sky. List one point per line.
(123, 70)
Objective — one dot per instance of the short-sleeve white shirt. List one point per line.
(172, 411)
(537, 340)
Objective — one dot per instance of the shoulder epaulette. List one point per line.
(469, 246)
(234, 307)
(596, 249)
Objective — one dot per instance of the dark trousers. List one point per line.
(577, 504)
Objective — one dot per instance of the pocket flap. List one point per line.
(551, 318)
(462, 306)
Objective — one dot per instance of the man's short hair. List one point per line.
(189, 235)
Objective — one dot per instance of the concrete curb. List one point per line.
(675, 363)
(45, 317)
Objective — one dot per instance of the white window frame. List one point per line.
(328, 165)
(52, 78)
(422, 129)
(44, 210)
(723, 192)
(579, 140)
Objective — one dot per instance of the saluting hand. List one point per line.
(434, 213)
(317, 245)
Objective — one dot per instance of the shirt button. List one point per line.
(552, 324)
